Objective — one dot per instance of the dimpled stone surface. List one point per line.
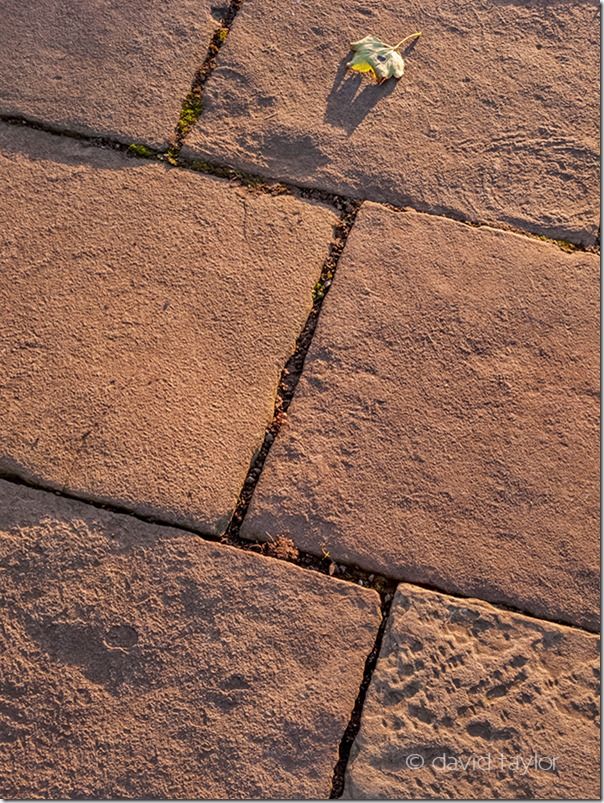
(467, 702)
(147, 313)
(495, 119)
(103, 66)
(141, 662)
(445, 427)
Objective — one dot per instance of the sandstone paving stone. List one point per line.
(468, 702)
(445, 427)
(496, 118)
(147, 313)
(103, 66)
(143, 662)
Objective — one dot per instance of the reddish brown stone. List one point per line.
(109, 68)
(147, 313)
(467, 702)
(445, 428)
(141, 662)
(496, 118)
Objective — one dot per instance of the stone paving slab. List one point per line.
(496, 118)
(147, 315)
(106, 68)
(467, 702)
(143, 662)
(445, 427)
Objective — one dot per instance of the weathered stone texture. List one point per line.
(496, 118)
(106, 68)
(468, 702)
(445, 428)
(147, 315)
(141, 662)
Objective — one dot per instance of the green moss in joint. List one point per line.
(136, 149)
(201, 167)
(318, 291)
(189, 114)
(563, 244)
(171, 156)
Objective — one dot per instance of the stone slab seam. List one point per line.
(354, 724)
(135, 150)
(292, 370)
(350, 573)
(324, 565)
(193, 103)
(273, 186)
(88, 139)
(383, 586)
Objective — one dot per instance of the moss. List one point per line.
(566, 246)
(189, 114)
(142, 151)
(192, 105)
(223, 171)
(563, 244)
(322, 286)
(318, 291)
(200, 166)
(253, 181)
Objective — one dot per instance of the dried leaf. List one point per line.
(382, 61)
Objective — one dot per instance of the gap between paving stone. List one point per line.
(191, 110)
(59, 131)
(347, 572)
(270, 186)
(290, 375)
(354, 724)
(192, 105)
(348, 209)
(135, 150)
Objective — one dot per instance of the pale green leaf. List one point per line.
(381, 60)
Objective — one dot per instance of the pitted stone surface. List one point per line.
(147, 314)
(141, 662)
(104, 67)
(467, 702)
(496, 118)
(445, 427)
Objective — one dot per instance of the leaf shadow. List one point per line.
(351, 98)
(346, 106)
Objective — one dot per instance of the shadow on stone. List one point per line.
(347, 107)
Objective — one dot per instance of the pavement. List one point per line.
(300, 393)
